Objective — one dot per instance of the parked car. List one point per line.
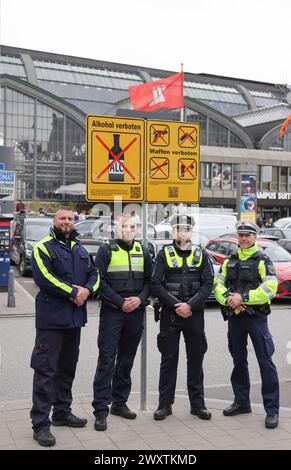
(208, 224)
(87, 227)
(284, 222)
(285, 243)
(221, 248)
(276, 232)
(26, 231)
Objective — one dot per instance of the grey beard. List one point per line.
(183, 244)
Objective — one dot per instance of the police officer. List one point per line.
(182, 280)
(244, 288)
(125, 268)
(63, 271)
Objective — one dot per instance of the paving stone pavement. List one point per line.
(181, 431)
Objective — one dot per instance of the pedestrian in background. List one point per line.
(125, 268)
(244, 287)
(20, 206)
(63, 271)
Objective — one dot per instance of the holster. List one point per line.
(157, 310)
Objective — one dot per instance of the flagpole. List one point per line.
(182, 109)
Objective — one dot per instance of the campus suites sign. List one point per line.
(274, 196)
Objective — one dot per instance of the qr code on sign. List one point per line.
(173, 192)
(135, 193)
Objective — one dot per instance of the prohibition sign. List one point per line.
(116, 157)
(185, 138)
(187, 165)
(159, 168)
(159, 135)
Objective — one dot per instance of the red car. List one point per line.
(223, 247)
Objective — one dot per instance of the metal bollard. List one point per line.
(11, 296)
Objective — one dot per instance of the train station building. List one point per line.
(46, 97)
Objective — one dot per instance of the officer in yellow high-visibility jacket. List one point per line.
(244, 287)
(125, 267)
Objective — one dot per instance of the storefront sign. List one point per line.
(269, 195)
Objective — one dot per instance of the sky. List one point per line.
(248, 39)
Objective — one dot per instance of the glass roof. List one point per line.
(85, 70)
(206, 86)
(213, 95)
(83, 79)
(12, 66)
(266, 94)
(10, 60)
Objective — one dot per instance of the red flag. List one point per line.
(285, 126)
(164, 93)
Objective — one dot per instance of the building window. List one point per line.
(193, 116)
(216, 176)
(289, 180)
(275, 178)
(50, 154)
(75, 153)
(283, 179)
(235, 141)
(20, 135)
(218, 135)
(226, 177)
(206, 175)
(44, 152)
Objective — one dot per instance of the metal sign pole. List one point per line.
(143, 349)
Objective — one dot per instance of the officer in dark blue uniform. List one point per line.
(63, 271)
(125, 268)
(244, 287)
(182, 280)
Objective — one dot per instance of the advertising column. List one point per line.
(246, 197)
(248, 206)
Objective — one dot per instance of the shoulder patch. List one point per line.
(270, 269)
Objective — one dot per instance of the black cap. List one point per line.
(247, 226)
(183, 220)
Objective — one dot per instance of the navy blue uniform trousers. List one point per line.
(118, 340)
(54, 360)
(168, 340)
(239, 328)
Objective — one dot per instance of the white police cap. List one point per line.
(247, 226)
(183, 220)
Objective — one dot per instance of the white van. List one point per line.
(208, 225)
(214, 224)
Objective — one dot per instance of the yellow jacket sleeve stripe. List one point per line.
(97, 283)
(219, 287)
(44, 271)
(265, 291)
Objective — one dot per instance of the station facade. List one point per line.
(45, 98)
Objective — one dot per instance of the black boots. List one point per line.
(202, 413)
(162, 413)
(100, 423)
(71, 420)
(123, 411)
(236, 409)
(44, 437)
